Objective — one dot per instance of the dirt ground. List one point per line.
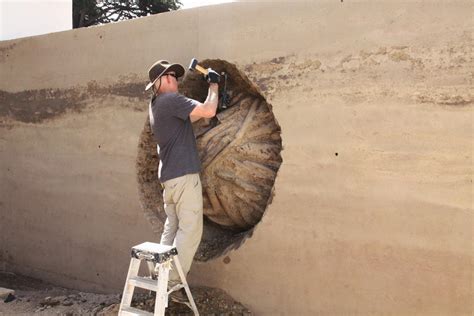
(33, 296)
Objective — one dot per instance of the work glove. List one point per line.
(212, 76)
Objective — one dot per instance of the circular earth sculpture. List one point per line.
(240, 156)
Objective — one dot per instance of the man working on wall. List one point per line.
(171, 115)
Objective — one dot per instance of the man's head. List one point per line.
(164, 76)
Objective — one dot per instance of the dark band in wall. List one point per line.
(36, 106)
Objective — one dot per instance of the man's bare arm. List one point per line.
(194, 118)
(209, 107)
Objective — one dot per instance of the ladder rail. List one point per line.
(129, 287)
(161, 302)
(186, 286)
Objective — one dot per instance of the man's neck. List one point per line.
(161, 91)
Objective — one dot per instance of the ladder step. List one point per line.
(144, 283)
(134, 312)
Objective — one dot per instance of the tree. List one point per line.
(93, 12)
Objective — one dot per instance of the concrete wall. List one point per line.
(372, 211)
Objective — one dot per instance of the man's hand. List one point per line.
(212, 76)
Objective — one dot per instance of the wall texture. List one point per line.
(373, 209)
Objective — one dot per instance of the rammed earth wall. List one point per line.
(372, 203)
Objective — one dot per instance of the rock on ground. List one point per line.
(33, 296)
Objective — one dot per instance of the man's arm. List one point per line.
(209, 107)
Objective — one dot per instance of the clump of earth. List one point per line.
(34, 296)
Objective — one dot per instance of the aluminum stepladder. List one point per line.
(158, 257)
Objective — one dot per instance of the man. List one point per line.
(171, 115)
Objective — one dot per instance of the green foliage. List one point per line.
(94, 12)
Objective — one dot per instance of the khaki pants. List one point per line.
(182, 197)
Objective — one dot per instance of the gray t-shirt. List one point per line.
(173, 132)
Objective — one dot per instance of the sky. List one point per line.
(18, 18)
(197, 3)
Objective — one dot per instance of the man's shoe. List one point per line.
(179, 296)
